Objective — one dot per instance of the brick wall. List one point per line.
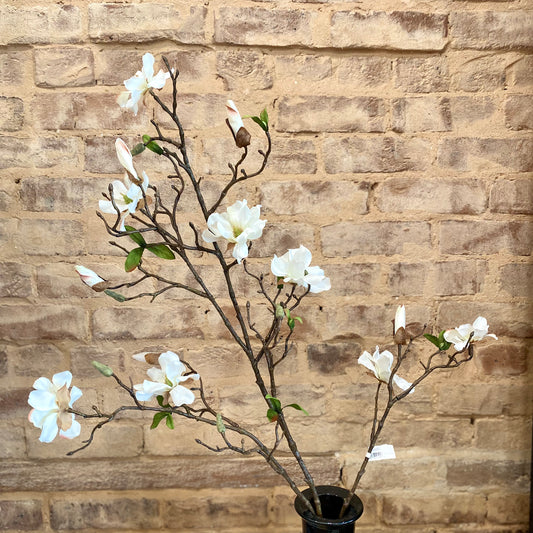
(402, 157)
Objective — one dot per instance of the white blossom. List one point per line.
(140, 83)
(89, 277)
(460, 336)
(167, 379)
(234, 117)
(380, 364)
(399, 319)
(50, 401)
(239, 225)
(293, 267)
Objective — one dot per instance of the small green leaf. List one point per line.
(157, 419)
(170, 421)
(146, 139)
(280, 282)
(133, 259)
(440, 342)
(221, 428)
(160, 401)
(161, 250)
(262, 124)
(264, 116)
(299, 408)
(115, 295)
(276, 404)
(137, 237)
(431, 338)
(290, 323)
(137, 149)
(299, 319)
(154, 147)
(103, 369)
(272, 415)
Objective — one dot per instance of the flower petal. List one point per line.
(49, 427)
(182, 395)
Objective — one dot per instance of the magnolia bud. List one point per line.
(280, 312)
(103, 369)
(242, 138)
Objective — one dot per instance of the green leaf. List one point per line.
(170, 421)
(276, 404)
(137, 149)
(103, 369)
(299, 408)
(272, 415)
(154, 147)
(137, 237)
(440, 342)
(157, 419)
(299, 319)
(264, 116)
(146, 139)
(290, 323)
(115, 295)
(221, 428)
(160, 401)
(161, 250)
(133, 259)
(280, 282)
(431, 338)
(262, 124)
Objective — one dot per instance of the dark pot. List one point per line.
(331, 499)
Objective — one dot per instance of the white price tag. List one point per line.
(385, 451)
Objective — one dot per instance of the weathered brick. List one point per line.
(508, 508)
(428, 509)
(464, 196)
(475, 154)
(512, 320)
(26, 322)
(243, 70)
(353, 278)
(515, 278)
(347, 239)
(64, 67)
(12, 67)
(461, 237)
(474, 114)
(263, 27)
(311, 196)
(364, 71)
(519, 112)
(13, 447)
(423, 113)
(407, 279)
(503, 359)
(398, 30)
(50, 237)
(503, 434)
(304, 71)
(11, 113)
(421, 74)
(278, 238)
(459, 277)
(331, 113)
(109, 513)
(120, 22)
(491, 29)
(16, 280)
(40, 25)
(520, 73)
(332, 358)
(81, 357)
(43, 357)
(24, 515)
(512, 196)
(3, 361)
(482, 472)
(384, 154)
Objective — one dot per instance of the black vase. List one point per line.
(331, 499)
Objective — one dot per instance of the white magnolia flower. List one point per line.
(238, 225)
(50, 401)
(234, 117)
(399, 319)
(381, 366)
(165, 379)
(138, 85)
(126, 194)
(294, 267)
(89, 277)
(459, 336)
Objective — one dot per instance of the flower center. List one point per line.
(127, 199)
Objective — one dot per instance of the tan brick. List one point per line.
(430, 434)
(25, 515)
(475, 154)
(180, 440)
(12, 67)
(243, 70)
(423, 113)
(427, 509)
(512, 320)
(503, 359)
(459, 277)
(327, 113)
(13, 446)
(485, 237)
(263, 27)
(515, 278)
(15, 280)
(398, 30)
(40, 25)
(465, 196)
(50, 237)
(352, 278)
(364, 71)
(407, 279)
(108, 513)
(491, 29)
(64, 67)
(280, 237)
(11, 113)
(304, 71)
(519, 112)
(384, 154)
(43, 357)
(30, 322)
(120, 22)
(474, 114)
(310, 197)
(520, 73)
(82, 356)
(332, 358)
(3, 361)
(512, 196)
(483, 472)
(347, 239)
(508, 508)
(421, 74)
(503, 434)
